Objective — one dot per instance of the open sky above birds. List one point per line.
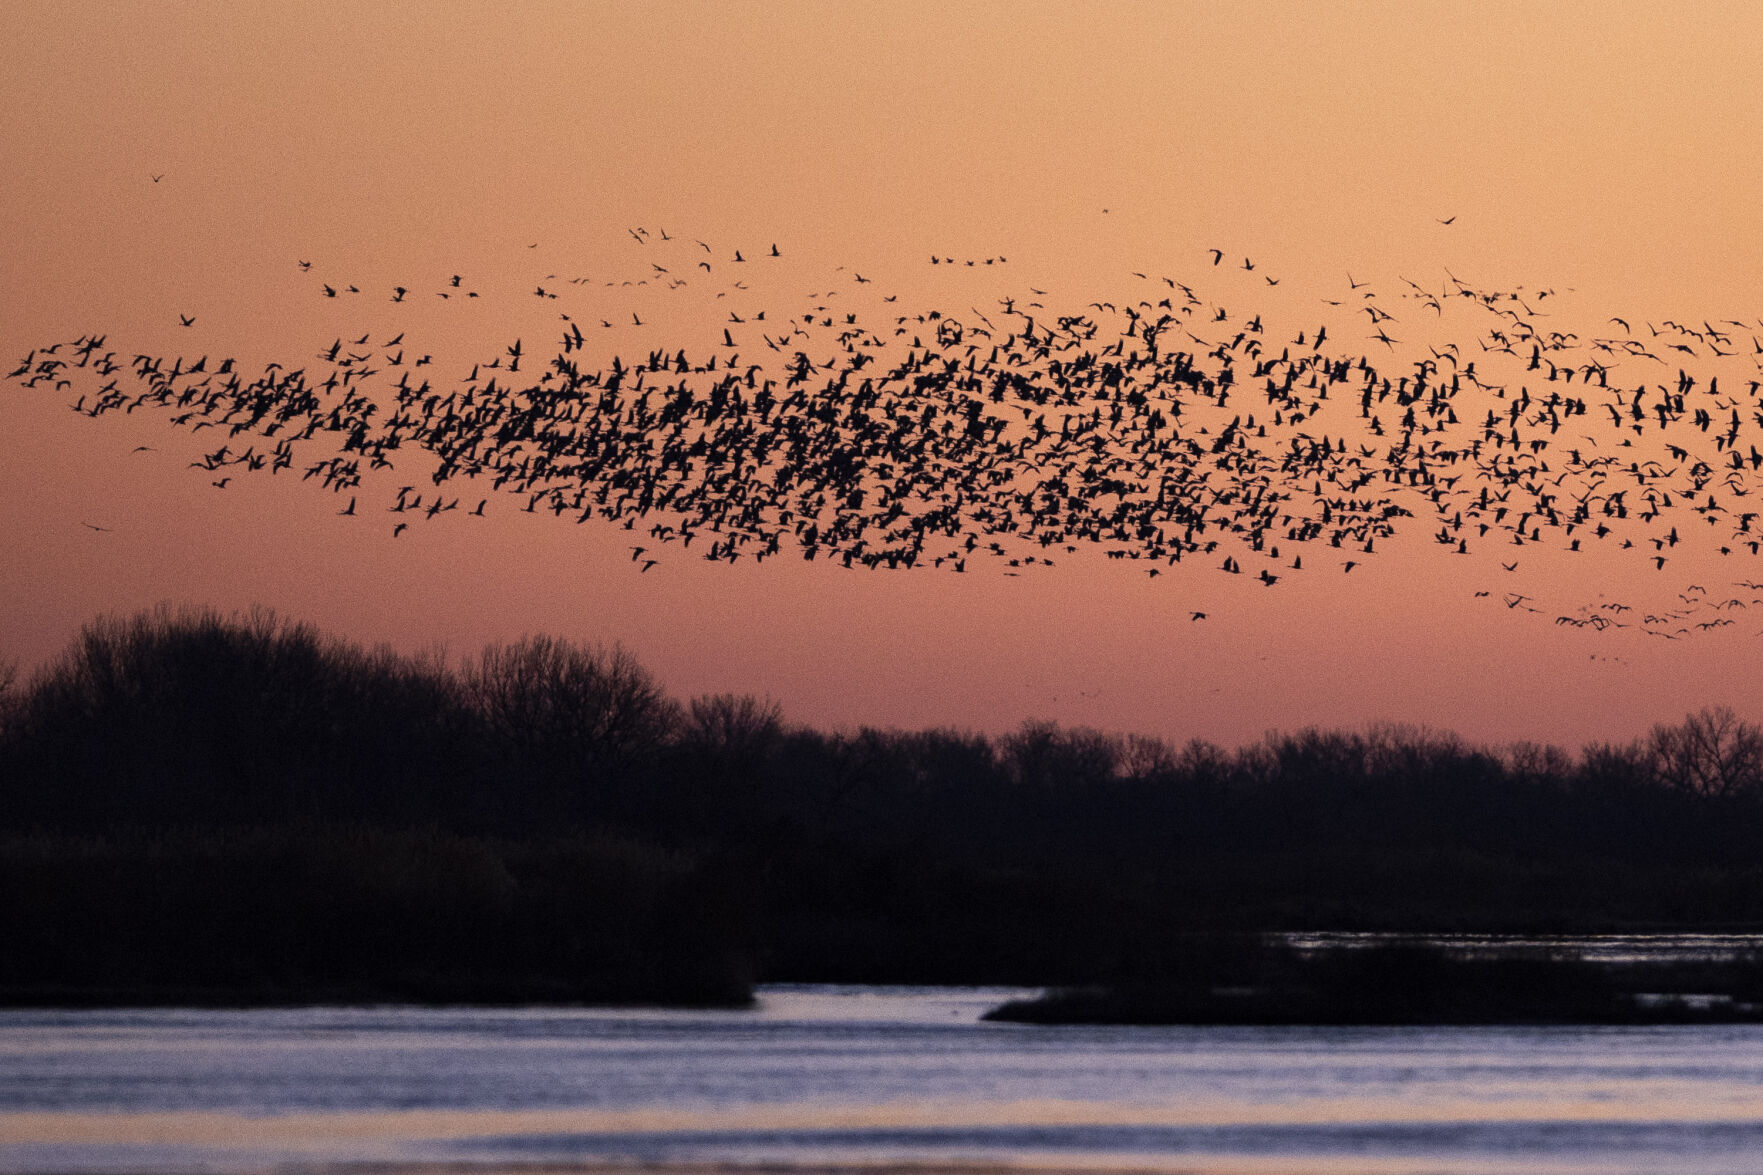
(181, 162)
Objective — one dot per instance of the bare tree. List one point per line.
(543, 693)
(1537, 760)
(8, 697)
(1712, 753)
(1041, 754)
(1206, 763)
(737, 727)
(1144, 756)
(1401, 748)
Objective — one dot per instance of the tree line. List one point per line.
(198, 804)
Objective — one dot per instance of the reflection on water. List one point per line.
(828, 1074)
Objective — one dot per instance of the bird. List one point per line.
(1094, 432)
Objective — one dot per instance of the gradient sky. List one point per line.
(1605, 151)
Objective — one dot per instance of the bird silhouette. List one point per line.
(1179, 437)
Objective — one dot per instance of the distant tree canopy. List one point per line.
(180, 713)
(876, 853)
(174, 715)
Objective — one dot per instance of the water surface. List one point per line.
(828, 1075)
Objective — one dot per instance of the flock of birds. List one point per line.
(1161, 429)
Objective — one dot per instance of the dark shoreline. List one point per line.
(1413, 984)
(416, 996)
(240, 811)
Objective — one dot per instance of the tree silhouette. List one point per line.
(8, 696)
(546, 696)
(736, 729)
(1712, 753)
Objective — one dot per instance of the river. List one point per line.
(819, 1076)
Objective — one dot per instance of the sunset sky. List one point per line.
(1606, 153)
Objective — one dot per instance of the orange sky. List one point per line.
(1606, 151)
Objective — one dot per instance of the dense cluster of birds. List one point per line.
(1161, 429)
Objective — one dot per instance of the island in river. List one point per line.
(1247, 981)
